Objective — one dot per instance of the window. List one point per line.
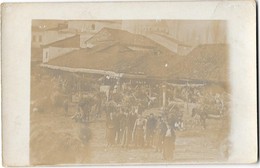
(40, 38)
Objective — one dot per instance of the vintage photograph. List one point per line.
(129, 92)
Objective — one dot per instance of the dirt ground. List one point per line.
(56, 139)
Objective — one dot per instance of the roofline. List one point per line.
(47, 45)
(173, 40)
(125, 75)
(93, 36)
(99, 72)
(82, 70)
(96, 71)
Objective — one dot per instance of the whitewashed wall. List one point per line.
(48, 37)
(54, 52)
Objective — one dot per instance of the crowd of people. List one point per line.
(124, 111)
(128, 128)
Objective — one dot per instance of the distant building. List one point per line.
(159, 32)
(40, 37)
(92, 26)
(116, 53)
(87, 28)
(144, 27)
(197, 32)
(44, 32)
(61, 47)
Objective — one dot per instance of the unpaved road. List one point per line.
(55, 139)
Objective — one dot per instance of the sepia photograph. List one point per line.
(129, 91)
(140, 83)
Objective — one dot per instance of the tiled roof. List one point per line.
(71, 42)
(124, 37)
(205, 62)
(118, 58)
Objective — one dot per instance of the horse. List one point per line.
(200, 115)
(205, 112)
(99, 100)
(86, 104)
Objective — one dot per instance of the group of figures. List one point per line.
(128, 128)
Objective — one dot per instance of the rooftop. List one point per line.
(118, 58)
(70, 42)
(124, 37)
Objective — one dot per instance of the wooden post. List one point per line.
(150, 90)
(164, 96)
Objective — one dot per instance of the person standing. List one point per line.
(132, 119)
(160, 132)
(138, 131)
(203, 115)
(126, 132)
(157, 133)
(150, 129)
(118, 118)
(168, 143)
(98, 106)
(111, 132)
